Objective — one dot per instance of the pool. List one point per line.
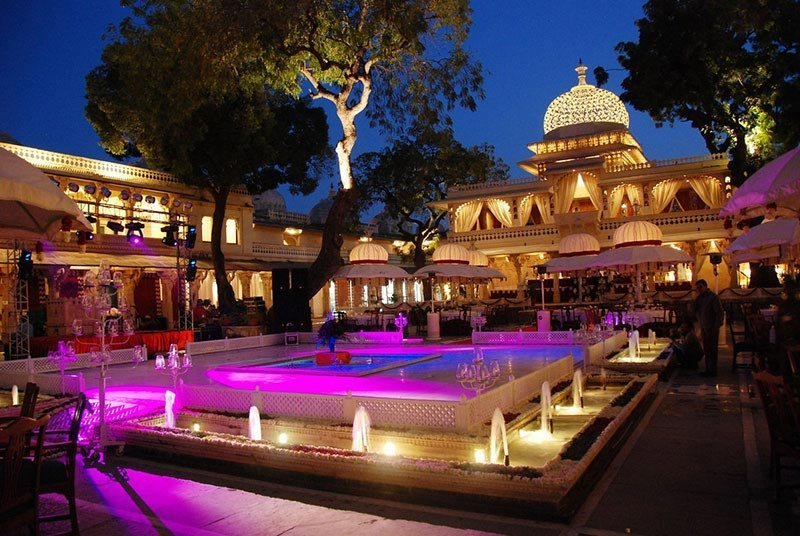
(359, 365)
(403, 372)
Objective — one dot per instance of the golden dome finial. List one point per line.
(581, 70)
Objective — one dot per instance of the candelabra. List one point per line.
(400, 321)
(476, 375)
(106, 308)
(173, 365)
(62, 357)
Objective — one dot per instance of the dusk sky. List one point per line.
(529, 49)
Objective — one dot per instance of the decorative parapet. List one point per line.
(278, 251)
(582, 142)
(667, 219)
(88, 167)
(491, 185)
(281, 216)
(504, 233)
(621, 168)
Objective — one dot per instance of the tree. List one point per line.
(729, 67)
(413, 173)
(406, 56)
(162, 91)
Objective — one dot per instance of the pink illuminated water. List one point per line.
(428, 380)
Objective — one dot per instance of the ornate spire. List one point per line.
(581, 70)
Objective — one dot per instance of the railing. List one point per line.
(523, 337)
(39, 365)
(281, 216)
(667, 162)
(583, 142)
(505, 233)
(494, 184)
(50, 384)
(304, 253)
(78, 165)
(667, 219)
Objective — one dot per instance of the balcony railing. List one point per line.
(504, 233)
(494, 184)
(78, 165)
(667, 162)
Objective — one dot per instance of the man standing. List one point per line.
(708, 311)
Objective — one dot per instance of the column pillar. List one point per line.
(244, 279)
(266, 281)
(167, 280)
(130, 278)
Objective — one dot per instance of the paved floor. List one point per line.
(696, 464)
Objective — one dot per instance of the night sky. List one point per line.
(528, 48)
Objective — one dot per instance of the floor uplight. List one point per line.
(389, 449)
(283, 438)
(480, 456)
(195, 427)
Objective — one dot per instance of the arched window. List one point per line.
(231, 231)
(205, 228)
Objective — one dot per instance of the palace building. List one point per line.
(589, 174)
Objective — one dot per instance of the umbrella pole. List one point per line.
(580, 288)
(638, 284)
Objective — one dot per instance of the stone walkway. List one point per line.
(695, 465)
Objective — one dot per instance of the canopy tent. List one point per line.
(577, 252)
(777, 182)
(31, 205)
(369, 264)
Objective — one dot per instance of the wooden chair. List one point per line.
(19, 474)
(741, 344)
(783, 418)
(58, 468)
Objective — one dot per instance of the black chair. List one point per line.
(741, 344)
(58, 468)
(19, 474)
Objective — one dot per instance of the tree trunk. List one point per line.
(419, 255)
(227, 299)
(329, 258)
(344, 149)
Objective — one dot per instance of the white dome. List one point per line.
(478, 258)
(369, 253)
(451, 254)
(578, 244)
(269, 200)
(584, 109)
(637, 233)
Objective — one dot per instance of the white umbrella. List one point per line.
(638, 255)
(578, 263)
(777, 182)
(31, 205)
(370, 271)
(770, 240)
(459, 271)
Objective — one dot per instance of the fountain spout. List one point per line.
(546, 403)
(498, 433)
(255, 424)
(14, 395)
(361, 425)
(577, 389)
(169, 414)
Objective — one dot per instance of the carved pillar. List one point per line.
(245, 278)
(130, 278)
(167, 279)
(266, 281)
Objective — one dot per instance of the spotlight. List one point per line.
(115, 226)
(135, 236)
(84, 236)
(169, 239)
(25, 264)
(191, 270)
(191, 236)
(90, 218)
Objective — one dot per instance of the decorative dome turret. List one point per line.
(451, 254)
(369, 253)
(478, 258)
(637, 233)
(584, 109)
(269, 200)
(319, 212)
(578, 244)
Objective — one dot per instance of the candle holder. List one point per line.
(476, 375)
(174, 365)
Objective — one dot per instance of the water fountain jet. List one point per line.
(14, 395)
(546, 404)
(361, 425)
(577, 389)
(255, 424)
(169, 414)
(498, 432)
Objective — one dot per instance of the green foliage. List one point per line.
(415, 172)
(728, 67)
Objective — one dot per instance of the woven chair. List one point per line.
(58, 467)
(19, 474)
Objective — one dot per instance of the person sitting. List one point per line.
(687, 346)
(199, 312)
